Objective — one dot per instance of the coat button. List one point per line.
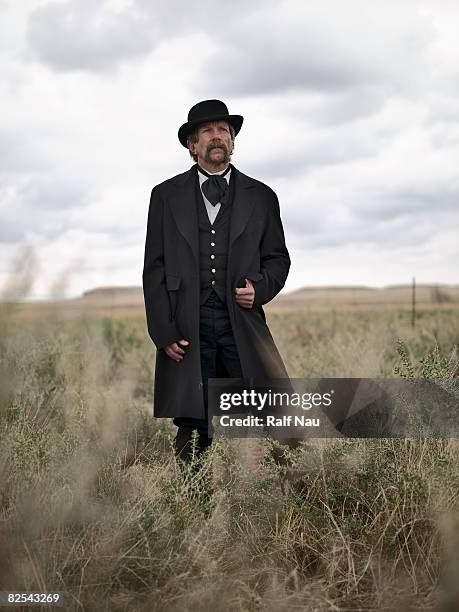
(212, 256)
(213, 270)
(213, 231)
(213, 282)
(212, 244)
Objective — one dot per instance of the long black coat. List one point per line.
(172, 290)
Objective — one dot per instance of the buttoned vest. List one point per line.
(213, 245)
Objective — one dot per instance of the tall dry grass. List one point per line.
(94, 505)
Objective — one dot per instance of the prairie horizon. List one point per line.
(396, 295)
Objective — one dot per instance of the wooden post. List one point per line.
(413, 303)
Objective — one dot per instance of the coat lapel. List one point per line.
(243, 205)
(183, 208)
(182, 204)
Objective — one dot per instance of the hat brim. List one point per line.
(186, 129)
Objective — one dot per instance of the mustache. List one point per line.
(216, 144)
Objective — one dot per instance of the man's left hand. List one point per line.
(245, 295)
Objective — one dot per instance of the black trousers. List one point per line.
(219, 359)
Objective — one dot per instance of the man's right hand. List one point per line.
(174, 351)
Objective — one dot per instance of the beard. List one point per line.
(217, 144)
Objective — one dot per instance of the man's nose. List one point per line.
(215, 134)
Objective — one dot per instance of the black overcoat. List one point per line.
(171, 285)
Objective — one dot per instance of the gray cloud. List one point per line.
(176, 17)
(24, 148)
(299, 161)
(303, 47)
(88, 35)
(328, 232)
(401, 218)
(10, 230)
(410, 201)
(55, 192)
(343, 107)
(253, 67)
(22, 220)
(84, 35)
(40, 204)
(304, 150)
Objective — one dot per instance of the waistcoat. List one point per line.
(213, 244)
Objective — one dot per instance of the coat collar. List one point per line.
(186, 217)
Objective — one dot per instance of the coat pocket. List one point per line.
(254, 276)
(172, 286)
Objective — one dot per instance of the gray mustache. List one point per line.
(216, 146)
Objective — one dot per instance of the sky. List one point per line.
(350, 112)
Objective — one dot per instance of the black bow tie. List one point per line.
(215, 187)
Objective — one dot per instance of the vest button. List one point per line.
(213, 231)
(212, 244)
(212, 256)
(213, 270)
(213, 282)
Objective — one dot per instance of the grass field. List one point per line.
(94, 505)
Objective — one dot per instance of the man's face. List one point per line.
(214, 145)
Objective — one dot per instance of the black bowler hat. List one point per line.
(208, 110)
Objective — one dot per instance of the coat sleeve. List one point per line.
(161, 328)
(274, 257)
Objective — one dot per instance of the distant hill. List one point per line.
(117, 296)
(306, 296)
(128, 301)
(361, 295)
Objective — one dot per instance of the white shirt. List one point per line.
(212, 211)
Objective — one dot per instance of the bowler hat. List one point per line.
(208, 110)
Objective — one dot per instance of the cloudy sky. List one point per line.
(351, 115)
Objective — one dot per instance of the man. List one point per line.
(214, 254)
